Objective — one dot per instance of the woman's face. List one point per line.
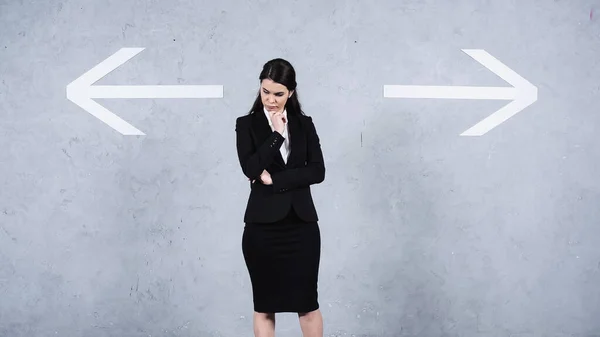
(274, 95)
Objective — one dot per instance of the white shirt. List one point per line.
(285, 148)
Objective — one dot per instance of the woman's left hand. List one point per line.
(265, 177)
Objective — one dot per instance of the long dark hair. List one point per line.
(280, 71)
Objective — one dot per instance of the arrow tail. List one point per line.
(450, 92)
(155, 91)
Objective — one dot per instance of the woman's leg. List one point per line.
(311, 323)
(264, 324)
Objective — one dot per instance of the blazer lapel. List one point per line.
(296, 137)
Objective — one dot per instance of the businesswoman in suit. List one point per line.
(280, 153)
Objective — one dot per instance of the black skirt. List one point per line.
(283, 262)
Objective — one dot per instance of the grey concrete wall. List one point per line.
(425, 232)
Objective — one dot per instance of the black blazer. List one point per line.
(258, 149)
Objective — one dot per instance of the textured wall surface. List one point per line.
(425, 232)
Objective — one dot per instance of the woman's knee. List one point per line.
(309, 315)
(265, 316)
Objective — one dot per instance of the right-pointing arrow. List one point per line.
(522, 93)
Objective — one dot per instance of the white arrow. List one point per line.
(81, 91)
(522, 93)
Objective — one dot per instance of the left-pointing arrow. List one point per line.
(81, 91)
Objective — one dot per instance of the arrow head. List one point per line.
(526, 93)
(78, 91)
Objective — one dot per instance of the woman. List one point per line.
(280, 153)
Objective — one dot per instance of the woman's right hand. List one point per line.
(278, 120)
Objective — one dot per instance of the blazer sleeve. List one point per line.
(253, 161)
(312, 173)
